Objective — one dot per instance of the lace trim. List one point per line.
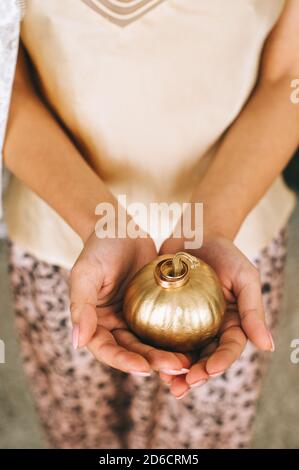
(22, 7)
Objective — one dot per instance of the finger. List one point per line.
(160, 360)
(198, 375)
(179, 387)
(186, 361)
(166, 378)
(106, 349)
(185, 358)
(85, 283)
(208, 350)
(231, 345)
(251, 310)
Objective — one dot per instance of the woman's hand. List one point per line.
(244, 317)
(98, 281)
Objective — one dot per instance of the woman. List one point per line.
(169, 101)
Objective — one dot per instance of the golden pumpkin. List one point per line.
(175, 302)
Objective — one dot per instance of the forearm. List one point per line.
(253, 153)
(40, 153)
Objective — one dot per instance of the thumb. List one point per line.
(85, 282)
(251, 312)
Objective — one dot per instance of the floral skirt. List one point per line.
(84, 404)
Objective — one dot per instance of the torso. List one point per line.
(147, 88)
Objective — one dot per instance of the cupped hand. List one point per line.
(244, 318)
(97, 285)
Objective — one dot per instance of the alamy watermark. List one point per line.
(294, 357)
(2, 352)
(295, 93)
(178, 220)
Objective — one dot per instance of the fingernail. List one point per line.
(272, 342)
(139, 374)
(175, 371)
(183, 395)
(75, 336)
(216, 374)
(199, 383)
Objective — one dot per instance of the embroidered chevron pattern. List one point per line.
(122, 12)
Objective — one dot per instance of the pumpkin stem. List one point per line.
(177, 266)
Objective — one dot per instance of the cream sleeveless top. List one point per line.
(147, 88)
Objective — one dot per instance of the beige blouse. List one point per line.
(147, 88)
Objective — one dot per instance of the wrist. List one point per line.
(92, 211)
(217, 222)
(86, 226)
(221, 217)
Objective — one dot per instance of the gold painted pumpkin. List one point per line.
(175, 302)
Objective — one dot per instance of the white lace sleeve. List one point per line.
(11, 12)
